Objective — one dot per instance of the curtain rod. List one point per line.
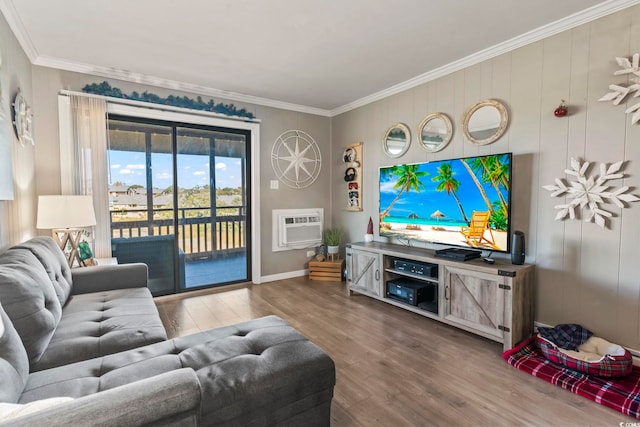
(151, 105)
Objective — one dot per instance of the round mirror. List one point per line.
(485, 122)
(434, 132)
(396, 140)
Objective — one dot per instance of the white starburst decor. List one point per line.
(296, 159)
(589, 193)
(618, 93)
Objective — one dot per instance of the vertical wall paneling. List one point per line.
(472, 94)
(628, 313)
(458, 142)
(501, 91)
(605, 137)
(445, 88)
(553, 139)
(576, 136)
(584, 274)
(525, 106)
(423, 98)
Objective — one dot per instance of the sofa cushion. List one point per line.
(258, 370)
(14, 364)
(102, 323)
(29, 299)
(54, 262)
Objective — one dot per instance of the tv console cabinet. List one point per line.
(491, 300)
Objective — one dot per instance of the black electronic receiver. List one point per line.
(416, 267)
(410, 291)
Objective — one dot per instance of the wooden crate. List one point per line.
(326, 270)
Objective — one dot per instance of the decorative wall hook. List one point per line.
(562, 110)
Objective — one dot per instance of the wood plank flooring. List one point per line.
(394, 367)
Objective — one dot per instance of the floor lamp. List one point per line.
(66, 216)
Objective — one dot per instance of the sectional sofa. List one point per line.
(86, 346)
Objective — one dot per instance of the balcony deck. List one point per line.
(222, 270)
(214, 248)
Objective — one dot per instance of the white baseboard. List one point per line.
(282, 276)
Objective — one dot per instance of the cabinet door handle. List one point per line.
(446, 292)
(377, 274)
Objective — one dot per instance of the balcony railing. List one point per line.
(199, 235)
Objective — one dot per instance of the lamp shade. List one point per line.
(65, 212)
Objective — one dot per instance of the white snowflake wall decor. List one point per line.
(619, 93)
(589, 192)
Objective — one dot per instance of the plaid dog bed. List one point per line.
(621, 394)
(607, 366)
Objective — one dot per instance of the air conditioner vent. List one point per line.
(296, 228)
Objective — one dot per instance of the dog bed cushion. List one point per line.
(595, 356)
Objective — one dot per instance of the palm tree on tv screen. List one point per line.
(448, 183)
(408, 178)
(493, 171)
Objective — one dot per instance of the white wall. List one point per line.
(17, 217)
(585, 274)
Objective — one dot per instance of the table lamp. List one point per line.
(66, 216)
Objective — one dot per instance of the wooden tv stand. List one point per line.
(491, 300)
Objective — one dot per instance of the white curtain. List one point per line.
(88, 174)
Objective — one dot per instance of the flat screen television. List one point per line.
(463, 202)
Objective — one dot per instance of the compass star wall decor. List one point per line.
(296, 159)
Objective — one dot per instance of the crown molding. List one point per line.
(606, 8)
(125, 75)
(572, 21)
(17, 27)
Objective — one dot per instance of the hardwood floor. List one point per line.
(394, 367)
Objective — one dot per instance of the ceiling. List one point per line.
(318, 56)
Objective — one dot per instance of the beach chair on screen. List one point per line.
(475, 234)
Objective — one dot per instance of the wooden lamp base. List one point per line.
(71, 236)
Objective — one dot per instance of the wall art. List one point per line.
(23, 120)
(618, 93)
(588, 193)
(296, 159)
(105, 89)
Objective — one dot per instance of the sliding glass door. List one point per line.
(179, 202)
(212, 205)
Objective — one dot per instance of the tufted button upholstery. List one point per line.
(60, 324)
(100, 323)
(47, 252)
(29, 300)
(244, 370)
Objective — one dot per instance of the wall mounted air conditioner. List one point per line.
(296, 228)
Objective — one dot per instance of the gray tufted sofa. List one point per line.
(54, 362)
(66, 315)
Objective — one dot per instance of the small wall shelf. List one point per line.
(352, 159)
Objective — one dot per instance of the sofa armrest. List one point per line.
(109, 277)
(172, 398)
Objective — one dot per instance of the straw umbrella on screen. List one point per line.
(437, 215)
